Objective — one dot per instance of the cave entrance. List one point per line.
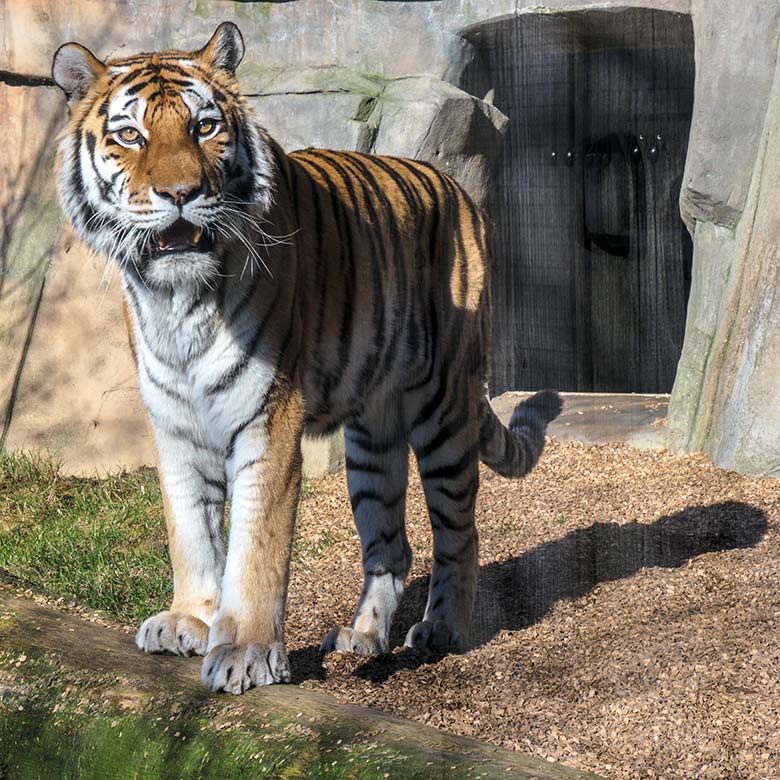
(593, 263)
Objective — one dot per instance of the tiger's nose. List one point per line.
(180, 193)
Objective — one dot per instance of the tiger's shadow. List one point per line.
(518, 592)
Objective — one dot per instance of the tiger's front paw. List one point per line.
(237, 668)
(173, 632)
(348, 640)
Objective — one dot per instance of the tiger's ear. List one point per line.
(74, 69)
(225, 50)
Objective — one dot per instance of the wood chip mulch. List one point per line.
(627, 620)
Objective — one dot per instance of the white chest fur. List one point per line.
(198, 373)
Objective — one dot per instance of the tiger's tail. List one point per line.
(513, 451)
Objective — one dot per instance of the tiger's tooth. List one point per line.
(196, 235)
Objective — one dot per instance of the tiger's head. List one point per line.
(161, 161)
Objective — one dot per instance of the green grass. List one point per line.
(100, 541)
(308, 490)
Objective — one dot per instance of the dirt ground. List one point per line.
(627, 621)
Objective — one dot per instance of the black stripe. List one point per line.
(103, 183)
(141, 73)
(371, 444)
(366, 376)
(434, 402)
(369, 468)
(196, 303)
(244, 466)
(177, 432)
(435, 207)
(187, 85)
(444, 435)
(346, 246)
(77, 178)
(209, 502)
(323, 376)
(385, 538)
(412, 196)
(345, 336)
(431, 344)
(216, 484)
(362, 495)
(460, 495)
(142, 326)
(390, 226)
(440, 520)
(136, 88)
(443, 559)
(161, 386)
(452, 470)
(317, 364)
(243, 426)
(230, 377)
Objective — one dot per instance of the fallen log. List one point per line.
(78, 700)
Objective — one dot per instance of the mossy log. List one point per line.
(78, 700)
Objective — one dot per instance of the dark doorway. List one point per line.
(593, 263)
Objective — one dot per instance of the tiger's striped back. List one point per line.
(382, 285)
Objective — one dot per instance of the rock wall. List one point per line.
(376, 76)
(69, 384)
(725, 398)
(377, 37)
(30, 226)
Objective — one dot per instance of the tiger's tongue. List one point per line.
(180, 233)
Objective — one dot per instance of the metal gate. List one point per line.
(593, 263)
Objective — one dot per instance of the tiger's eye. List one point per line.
(206, 127)
(129, 135)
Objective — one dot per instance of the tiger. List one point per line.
(267, 295)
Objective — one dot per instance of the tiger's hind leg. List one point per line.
(377, 473)
(445, 439)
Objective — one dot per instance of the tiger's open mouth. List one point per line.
(181, 236)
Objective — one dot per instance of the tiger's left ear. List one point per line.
(225, 50)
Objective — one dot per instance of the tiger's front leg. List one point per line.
(192, 480)
(246, 641)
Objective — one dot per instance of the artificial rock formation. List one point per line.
(725, 399)
(379, 77)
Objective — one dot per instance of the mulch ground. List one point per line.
(627, 621)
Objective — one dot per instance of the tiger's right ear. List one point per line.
(74, 69)
(225, 50)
